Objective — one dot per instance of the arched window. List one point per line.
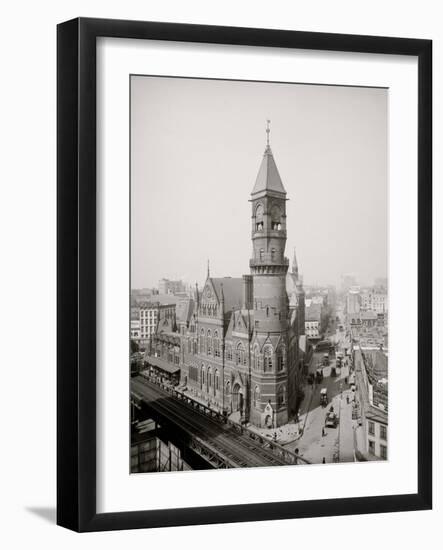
(240, 356)
(262, 254)
(281, 358)
(256, 355)
(259, 218)
(229, 352)
(256, 396)
(228, 388)
(209, 379)
(203, 376)
(217, 381)
(273, 254)
(281, 396)
(202, 341)
(276, 218)
(216, 343)
(194, 347)
(209, 343)
(267, 355)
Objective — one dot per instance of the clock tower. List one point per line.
(269, 267)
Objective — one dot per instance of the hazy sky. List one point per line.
(196, 149)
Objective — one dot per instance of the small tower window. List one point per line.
(259, 218)
(276, 218)
(262, 253)
(273, 254)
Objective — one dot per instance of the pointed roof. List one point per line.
(232, 290)
(295, 265)
(268, 178)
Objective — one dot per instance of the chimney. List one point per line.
(247, 291)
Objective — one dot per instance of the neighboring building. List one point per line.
(151, 312)
(313, 321)
(240, 339)
(353, 306)
(371, 370)
(135, 330)
(163, 355)
(379, 300)
(374, 299)
(140, 295)
(368, 319)
(165, 286)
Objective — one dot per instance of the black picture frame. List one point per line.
(76, 268)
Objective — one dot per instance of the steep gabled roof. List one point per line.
(268, 178)
(184, 310)
(232, 290)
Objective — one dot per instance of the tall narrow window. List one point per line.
(267, 356)
(202, 341)
(209, 344)
(276, 218)
(259, 218)
(240, 358)
(216, 343)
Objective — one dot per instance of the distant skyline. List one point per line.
(196, 150)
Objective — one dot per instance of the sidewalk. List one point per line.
(346, 438)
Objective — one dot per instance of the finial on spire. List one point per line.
(268, 130)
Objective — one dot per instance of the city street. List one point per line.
(317, 441)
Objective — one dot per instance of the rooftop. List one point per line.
(313, 312)
(160, 299)
(232, 289)
(268, 178)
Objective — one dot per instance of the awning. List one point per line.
(162, 364)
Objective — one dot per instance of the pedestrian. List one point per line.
(323, 431)
(324, 460)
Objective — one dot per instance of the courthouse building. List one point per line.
(239, 349)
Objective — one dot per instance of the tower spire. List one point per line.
(208, 274)
(268, 131)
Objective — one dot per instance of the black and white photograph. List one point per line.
(259, 322)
